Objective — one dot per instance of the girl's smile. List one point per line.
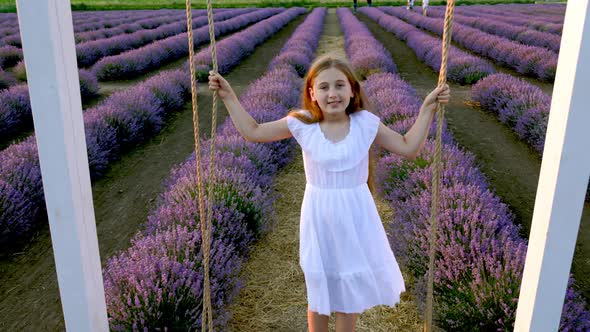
(334, 103)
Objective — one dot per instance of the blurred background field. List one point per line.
(10, 5)
(135, 89)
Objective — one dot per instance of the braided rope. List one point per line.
(442, 79)
(212, 172)
(204, 220)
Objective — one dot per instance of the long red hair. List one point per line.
(357, 103)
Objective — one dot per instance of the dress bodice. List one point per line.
(342, 164)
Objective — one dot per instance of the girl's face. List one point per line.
(331, 90)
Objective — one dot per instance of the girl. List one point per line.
(344, 252)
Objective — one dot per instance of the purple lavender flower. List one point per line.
(522, 106)
(521, 31)
(232, 49)
(137, 61)
(368, 56)
(6, 80)
(462, 67)
(22, 201)
(15, 110)
(523, 58)
(480, 255)
(9, 56)
(88, 84)
(158, 283)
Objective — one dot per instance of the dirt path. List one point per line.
(274, 297)
(510, 165)
(29, 297)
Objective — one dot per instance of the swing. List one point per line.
(205, 219)
(442, 80)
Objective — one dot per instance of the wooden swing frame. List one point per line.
(49, 49)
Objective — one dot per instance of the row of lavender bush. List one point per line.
(101, 15)
(10, 56)
(12, 39)
(146, 23)
(527, 60)
(122, 121)
(136, 62)
(111, 17)
(88, 53)
(480, 253)
(518, 33)
(11, 36)
(16, 113)
(4, 30)
(367, 55)
(9, 31)
(462, 67)
(6, 79)
(95, 44)
(8, 20)
(527, 21)
(231, 49)
(520, 105)
(15, 105)
(94, 20)
(526, 11)
(101, 22)
(156, 284)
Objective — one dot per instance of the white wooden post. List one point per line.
(50, 58)
(562, 183)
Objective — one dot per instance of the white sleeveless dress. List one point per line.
(344, 252)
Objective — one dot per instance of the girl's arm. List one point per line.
(244, 122)
(410, 144)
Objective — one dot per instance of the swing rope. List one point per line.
(442, 79)
(205, 220)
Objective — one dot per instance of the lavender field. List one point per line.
(135, 86)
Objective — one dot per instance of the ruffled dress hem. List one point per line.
(365, 289)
